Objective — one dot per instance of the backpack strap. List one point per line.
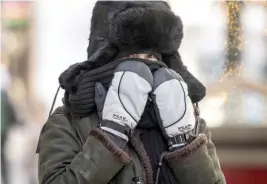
(197, 117)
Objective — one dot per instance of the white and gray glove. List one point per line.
(173, 107)
(121, 107)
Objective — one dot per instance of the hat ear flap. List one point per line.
(196, 89)
(70, 76)
(101, 52)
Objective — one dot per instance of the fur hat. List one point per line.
(132, 27)
(121, 28)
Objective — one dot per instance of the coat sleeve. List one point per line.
(63, 160)
(197, 163)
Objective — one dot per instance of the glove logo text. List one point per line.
(185, 128)
(120, 118)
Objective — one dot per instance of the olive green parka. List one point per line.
(74, 151)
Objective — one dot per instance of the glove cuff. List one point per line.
(115, 133)
(121, 143)
(117, 130)
(180, 141)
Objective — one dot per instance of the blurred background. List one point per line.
(225, 46)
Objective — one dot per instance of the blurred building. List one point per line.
(225, 45)
(17, 56)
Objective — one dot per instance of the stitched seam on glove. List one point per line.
(119, 87)
(184, 110)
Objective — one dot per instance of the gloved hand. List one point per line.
(121, 107)
(173, 107)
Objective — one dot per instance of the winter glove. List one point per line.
(120, 108)
(173, 107)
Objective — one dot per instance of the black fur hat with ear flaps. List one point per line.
(121, 28)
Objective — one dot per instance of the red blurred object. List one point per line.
(16, 10)
(245, 175)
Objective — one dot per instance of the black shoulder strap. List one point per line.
(53, 103)
(197, 117)
(50, 113)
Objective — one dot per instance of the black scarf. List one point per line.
(155, 144)
(80, 90)
(79, 100)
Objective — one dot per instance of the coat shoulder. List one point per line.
(80, 126)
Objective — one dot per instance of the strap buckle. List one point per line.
(181, 140)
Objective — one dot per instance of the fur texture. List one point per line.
(187, 150)
(139, 148)
(120, 28)
(144, 28)
(99, 135)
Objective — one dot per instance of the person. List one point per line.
(9, 120)
(130, 111)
